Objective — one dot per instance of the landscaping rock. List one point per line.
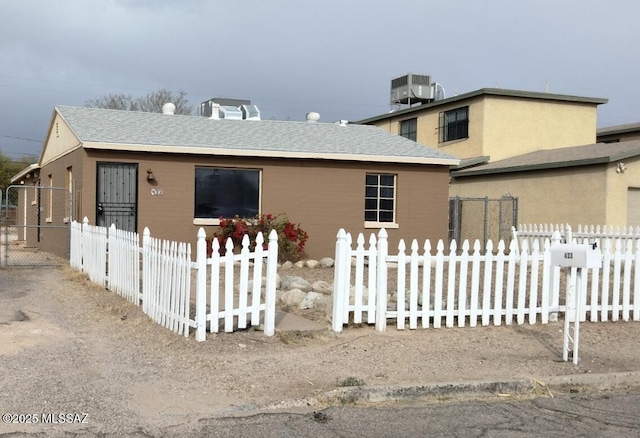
(287, 265)
(311, 264)
(311, 299)
(289, 282)
(292, 298)
(322, 287)
(326, 262)
(299, 264)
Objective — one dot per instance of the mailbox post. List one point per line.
(582, 257)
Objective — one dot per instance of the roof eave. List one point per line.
(488, 92)
(23, 173)
(531, 167)
(269, 153)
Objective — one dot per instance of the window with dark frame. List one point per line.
(409, 129)
(226, 192)
(454, 124)
(379, 200)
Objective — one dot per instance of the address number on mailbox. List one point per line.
(575, 256)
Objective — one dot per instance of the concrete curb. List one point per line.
(363, 395)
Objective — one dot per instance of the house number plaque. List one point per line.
(157, 192)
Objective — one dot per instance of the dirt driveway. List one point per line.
(70, 347)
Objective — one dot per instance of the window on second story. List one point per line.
(409, 129)
(454, 124)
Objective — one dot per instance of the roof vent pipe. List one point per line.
(169, 108)
(313, 117)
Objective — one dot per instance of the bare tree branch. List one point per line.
(151, 103)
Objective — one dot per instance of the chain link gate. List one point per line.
(482, 219)
(26, 217)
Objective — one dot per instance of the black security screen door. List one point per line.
(117, 194)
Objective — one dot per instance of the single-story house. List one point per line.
(176, 173)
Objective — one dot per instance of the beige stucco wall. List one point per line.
(574, 196)
(515, 126)
(59, 142)
(501, 126)
(617, 189)
(427, 128)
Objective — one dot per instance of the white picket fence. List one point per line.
(460, 287)
(159, 274)
(597, 234)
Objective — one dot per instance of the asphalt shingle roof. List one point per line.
(265, 137)
(597, 153)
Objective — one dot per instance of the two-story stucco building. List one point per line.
(539, 147)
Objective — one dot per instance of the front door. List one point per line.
(117, 195)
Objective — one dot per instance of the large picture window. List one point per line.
(226, 192)
(454, 124)
(409, 129)
(379, 198)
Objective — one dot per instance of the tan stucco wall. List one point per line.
(501, 126)
(515, 126)
(322, 196)
(427, 129)
(617, 189)
(59, 142)
(574, 196)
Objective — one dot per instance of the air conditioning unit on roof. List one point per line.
(411, 88)
(230, 112)
(250, 112)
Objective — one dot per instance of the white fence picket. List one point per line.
(475, 284)
(426, 284)
(451, 285)
(359, 284)
(413, 286)
(462, 287)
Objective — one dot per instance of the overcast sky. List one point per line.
(289, 57)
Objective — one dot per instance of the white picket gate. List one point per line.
(159, 274)
(465, 286)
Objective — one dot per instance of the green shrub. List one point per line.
(352, 381)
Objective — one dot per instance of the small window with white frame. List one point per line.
(380, 201)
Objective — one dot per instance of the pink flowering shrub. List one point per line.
(291, 238)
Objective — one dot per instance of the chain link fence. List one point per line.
(26, 219)
(483, 219)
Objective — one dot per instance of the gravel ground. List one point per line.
(68, 346)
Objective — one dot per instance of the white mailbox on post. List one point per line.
(573, 255)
